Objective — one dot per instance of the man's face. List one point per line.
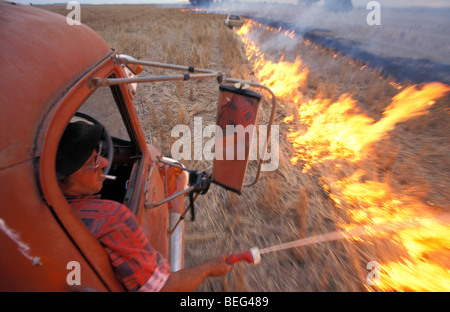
(88, 180)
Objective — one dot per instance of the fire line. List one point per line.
(336, 134)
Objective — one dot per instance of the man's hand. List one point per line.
(189, 279)
(219, 266)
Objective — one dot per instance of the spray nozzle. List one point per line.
(251, 256)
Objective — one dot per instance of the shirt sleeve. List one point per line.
(137, 265)
(156, 281)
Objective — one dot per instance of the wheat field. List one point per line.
(286, 204)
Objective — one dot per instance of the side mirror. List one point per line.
(237, 114)
(237, 111)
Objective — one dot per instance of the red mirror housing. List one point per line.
(237, 114)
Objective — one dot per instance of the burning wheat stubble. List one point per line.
(337, 132)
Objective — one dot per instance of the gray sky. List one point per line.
(389, 3)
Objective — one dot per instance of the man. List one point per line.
(79, 169)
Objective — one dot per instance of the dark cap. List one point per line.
(76, 146)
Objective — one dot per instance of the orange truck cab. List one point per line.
(51, 74)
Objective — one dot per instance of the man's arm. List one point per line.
(189, 279)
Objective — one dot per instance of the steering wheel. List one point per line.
(107, 145)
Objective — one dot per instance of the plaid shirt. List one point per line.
(137, 265)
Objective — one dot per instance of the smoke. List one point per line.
(410, 43)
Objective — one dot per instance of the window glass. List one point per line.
(101, 105)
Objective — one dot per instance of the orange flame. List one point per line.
(283, 77)
(340, 131)
(423, 235)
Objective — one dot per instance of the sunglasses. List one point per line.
(98, 153)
